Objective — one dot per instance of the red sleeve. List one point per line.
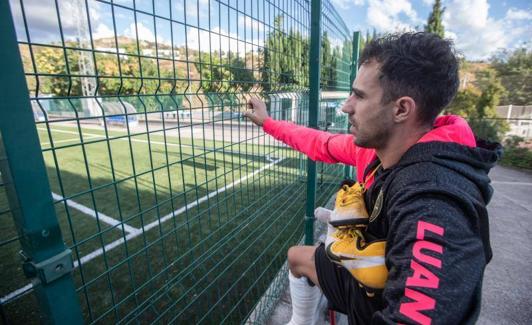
(317, 145)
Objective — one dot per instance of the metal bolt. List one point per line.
(45, 233)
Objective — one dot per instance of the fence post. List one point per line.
(47, 261)
(348, 171)
(314, 105)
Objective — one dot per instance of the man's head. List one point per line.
(403, 80)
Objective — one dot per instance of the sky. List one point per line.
(477, 27)
(178, 22)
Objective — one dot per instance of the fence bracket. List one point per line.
(50, 269)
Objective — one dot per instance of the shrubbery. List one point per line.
(516, 155)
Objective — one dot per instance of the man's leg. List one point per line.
(301, 262)
(305, 298)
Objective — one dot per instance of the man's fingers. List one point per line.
(251, 104)
(255, 103)
(257, 111)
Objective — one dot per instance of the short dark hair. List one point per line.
(417, 64)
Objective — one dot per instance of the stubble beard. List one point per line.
(372, 141)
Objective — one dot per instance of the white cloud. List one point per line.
(43, 22)
(451, 35)
(251, 23)
(219, 42)
(467, 14)
(192, 8)
(144, 33)
(94, 11)
(254, 28)
(518, 14)
(428, 3)
(475, 33)
(102, 31)
(344, 4)
(386, 15)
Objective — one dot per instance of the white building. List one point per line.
(519, 118)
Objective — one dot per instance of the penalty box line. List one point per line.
(100, 251)
(91, 136)
(97, 215)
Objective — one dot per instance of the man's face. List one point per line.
(371, 121)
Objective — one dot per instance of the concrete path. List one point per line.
(507, 289)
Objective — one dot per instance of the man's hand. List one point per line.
(258, 113)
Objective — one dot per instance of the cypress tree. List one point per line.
(434, 23)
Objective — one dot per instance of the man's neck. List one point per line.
(398, 144)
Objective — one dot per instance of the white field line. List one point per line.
(97, 215)
(25, 289)
(124, 139)
(118, 242)
(67, 132)
(93, 135)
(69, 140)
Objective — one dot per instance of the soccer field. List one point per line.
(170, 224)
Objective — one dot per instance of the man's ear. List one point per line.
(404, 109)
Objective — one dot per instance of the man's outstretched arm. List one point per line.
(318, 145)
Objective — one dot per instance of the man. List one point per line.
(427, 186)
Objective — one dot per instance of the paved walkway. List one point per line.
(507, 290)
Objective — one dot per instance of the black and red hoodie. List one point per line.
(433, 218)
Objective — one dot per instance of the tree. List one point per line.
(51, 62)
(464, 104)
(214, 74)
(434, 23)
(492, 90)
(515, 71)
(364, 40)
(328, 63)
(478, 104)
(242, 77)
(285, 58)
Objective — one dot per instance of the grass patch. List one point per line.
(214, 221)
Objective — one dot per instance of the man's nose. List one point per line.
(348, 106)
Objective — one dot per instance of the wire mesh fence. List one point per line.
(176, 209)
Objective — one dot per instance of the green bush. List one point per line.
(516, 156)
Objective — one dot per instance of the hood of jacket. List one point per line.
(452, 144)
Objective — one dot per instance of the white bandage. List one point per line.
(305, 299)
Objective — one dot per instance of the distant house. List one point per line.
(111, 50)
(166, 53)
(519, 118)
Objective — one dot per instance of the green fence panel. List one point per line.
(175, 208)
(314, 103)
(25, 185)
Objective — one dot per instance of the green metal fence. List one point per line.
(131, 149)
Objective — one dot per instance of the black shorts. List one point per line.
(343, 292)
